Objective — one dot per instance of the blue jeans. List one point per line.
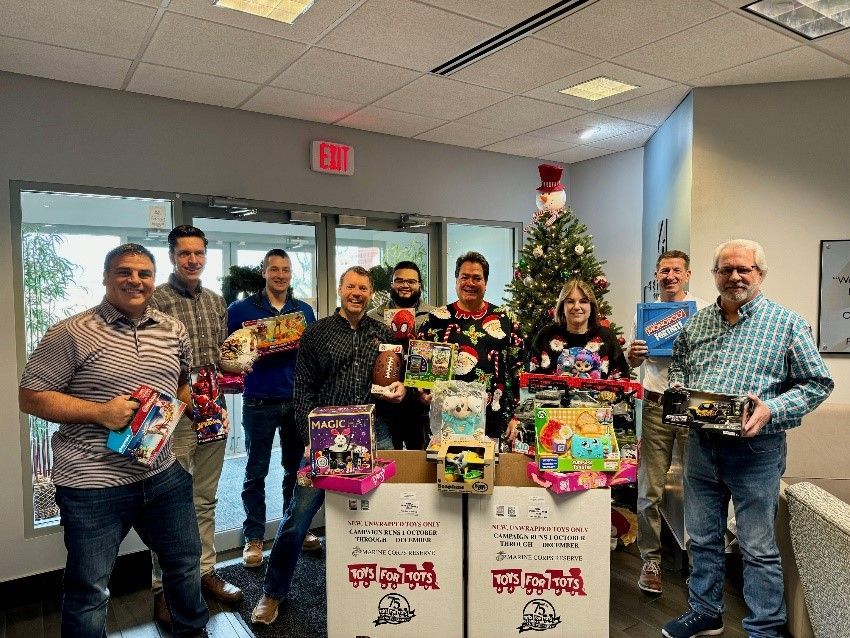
(260, 420)
(95, 522)
(747, 470)
(295, 523)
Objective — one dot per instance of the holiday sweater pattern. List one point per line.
(595, 354)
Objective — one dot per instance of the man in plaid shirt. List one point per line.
(744, 344)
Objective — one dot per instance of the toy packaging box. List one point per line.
(429, 362)
(207, 404)
(278, 333)
(384, 469)
(685, 407)
(564, 482)
(581, 438)
(466, 466)
(458, 409)
(660, 323)
(342, 440)
(150, 428)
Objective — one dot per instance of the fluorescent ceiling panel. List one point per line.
(597, 89)
(279, 10)
(808, 18)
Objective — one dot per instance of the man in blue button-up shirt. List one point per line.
(744, 344)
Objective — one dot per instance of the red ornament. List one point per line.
(517, 274)
(621, 341)
(551, 313)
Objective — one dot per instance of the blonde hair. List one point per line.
(587, 290)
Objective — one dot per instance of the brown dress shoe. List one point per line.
(160, 611)
(252, 554)
(650, 577)
(265, 613)
(219, 589)
(311, 543)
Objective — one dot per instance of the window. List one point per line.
(497, 245)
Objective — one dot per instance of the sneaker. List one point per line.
(691, 624)
(252, 555)
(265, 613)
(311, 543)
(650, 577)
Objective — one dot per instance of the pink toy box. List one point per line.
(564, 482)
(384, 469)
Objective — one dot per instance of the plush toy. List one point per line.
(402, 324)
(458, 415)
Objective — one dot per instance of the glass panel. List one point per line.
(368, 248)
(64, 238)
(496, 243)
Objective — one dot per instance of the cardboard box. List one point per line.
(428, 362)
(684, 407)
(542, 563)
(466, 466)
(570, 439)
(342, 439)
(207, 404)
(395, 559)
(660, 323)
(384, 469)
(150, 428)
(278, 333)
(565, 482)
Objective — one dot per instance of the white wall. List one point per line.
(69, 134)
(606, 193)
(770, 162)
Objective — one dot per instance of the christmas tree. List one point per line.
(557, 248)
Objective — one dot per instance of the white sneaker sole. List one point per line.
(649, 590)
(707, 632)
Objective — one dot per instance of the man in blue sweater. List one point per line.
(267, 402)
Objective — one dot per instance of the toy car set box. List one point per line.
(429, 362)
(207, 404)
(581, 438)
(466, 466)
(724, 413)
(342, 440)
(660, 323)
(362, 484)
(150, 428)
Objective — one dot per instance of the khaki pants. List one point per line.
(204, 463)
(656, 452)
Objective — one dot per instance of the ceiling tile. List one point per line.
(524, 65)
(718, 44)
(445, 99)
(578, 154)
(306, 28)
(505, 14)
(645, 84)
(527, 146)
(99, 26)
(802, 63)
(463, 135)
(650, 109)
(189, 86)
(299, 105)
(519, 115)
(839, 44)
(608, 28)
(608, 127)
(216, 49)
(333, 74)
(405, 33)
(57, 63)
(372, 118)
(635, 139)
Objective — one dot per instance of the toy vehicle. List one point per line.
(683, 407)
(710, 411)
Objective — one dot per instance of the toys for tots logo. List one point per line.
(393, 609)
(538, 615)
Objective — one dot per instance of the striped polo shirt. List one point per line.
(96, 356)
(769, 351)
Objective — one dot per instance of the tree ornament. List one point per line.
(579, 249)
(538, 251)
(522, 263)
(528, 280)
(517, 274)
(600, 282)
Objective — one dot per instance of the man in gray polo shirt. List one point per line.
(80, 376)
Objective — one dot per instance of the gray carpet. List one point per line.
(303, 614)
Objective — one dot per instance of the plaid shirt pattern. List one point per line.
(335, 364)
(769, 352)
(204, 314)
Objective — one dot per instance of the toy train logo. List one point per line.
(554, 580)
(539, 615)
(364, 574)
(704, 411)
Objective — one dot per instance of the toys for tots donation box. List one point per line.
(394, 563)
(542, 563)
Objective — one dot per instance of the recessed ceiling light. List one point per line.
(588, 132)
(808, 18)
(597, 88)
(279, 10)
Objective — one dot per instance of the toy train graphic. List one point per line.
(694, 409)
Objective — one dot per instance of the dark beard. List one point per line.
(405, 303)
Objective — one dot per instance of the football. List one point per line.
(387, 368)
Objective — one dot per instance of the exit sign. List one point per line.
(330, 157)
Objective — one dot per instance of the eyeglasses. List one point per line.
(406, 282)
(727, 271)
